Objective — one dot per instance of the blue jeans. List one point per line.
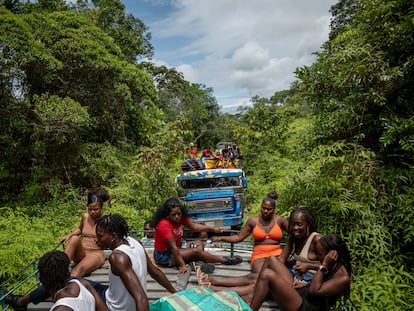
(163, 258)
(191, 161)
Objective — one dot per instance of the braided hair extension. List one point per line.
(113, 223)
(335, 242)
(54, 270)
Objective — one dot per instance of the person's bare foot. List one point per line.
(202, 277)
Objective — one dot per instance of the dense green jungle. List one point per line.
(82, 106)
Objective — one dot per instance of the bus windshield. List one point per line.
(228, 181)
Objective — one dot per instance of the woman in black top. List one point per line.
(331, 280)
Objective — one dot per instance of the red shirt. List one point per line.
(207, 153)
(166, 230)
(194, 152)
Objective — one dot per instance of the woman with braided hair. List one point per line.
(76, 294)
(299, 254)
(130, 265)
(169, 221)
(331, 280)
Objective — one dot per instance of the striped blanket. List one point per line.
(200, 299)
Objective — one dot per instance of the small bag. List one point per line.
(291, 260)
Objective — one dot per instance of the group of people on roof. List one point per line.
(309, 273)
(129, 266)
(228, 156)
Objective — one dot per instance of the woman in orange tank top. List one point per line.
(267, 230)
(84, 252)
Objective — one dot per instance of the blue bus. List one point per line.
(214, 197)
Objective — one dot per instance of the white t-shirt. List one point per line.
(117, 296)
(84, 302)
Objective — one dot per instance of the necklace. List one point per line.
(298, 247)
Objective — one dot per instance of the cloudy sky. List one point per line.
(240, 48)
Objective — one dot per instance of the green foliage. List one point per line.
(129, 32)
(60, 122)
(362, 81)
(27, 233)
(63, 117)
(342, 13)
(151, 172)
(357, 178)
(346, 187)
(66, 87)
(12, 5)
(50, 5)
(195, 102)
(399, 134)
(382, 286)
(77, 111)
(99, 164)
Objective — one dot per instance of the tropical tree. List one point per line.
(60, 58)
(195, 102)
(128, 31)
(361, 85)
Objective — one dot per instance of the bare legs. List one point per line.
(275, 279)
(242, 285)
(74, 249)
(85, 262)
(198, 254)
(237, 281)
(245, 291)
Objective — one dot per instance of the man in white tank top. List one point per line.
(128, 272)
(134, 270)
(76, 294)
(84, 301)
(117, 295)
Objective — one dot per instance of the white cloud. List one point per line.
(189, 72)
(252, 46)
(250, 56)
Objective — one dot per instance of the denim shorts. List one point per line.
(163, 258)
(307, 276)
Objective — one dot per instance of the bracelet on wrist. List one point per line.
(323, 269)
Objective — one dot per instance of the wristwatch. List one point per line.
(323, 269)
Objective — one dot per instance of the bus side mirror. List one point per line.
(244, 182)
